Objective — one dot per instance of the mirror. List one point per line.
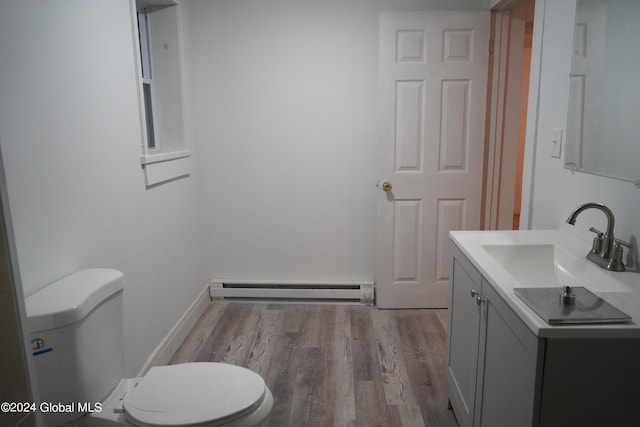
(603, 127)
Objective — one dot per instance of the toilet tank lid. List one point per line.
(71, 298)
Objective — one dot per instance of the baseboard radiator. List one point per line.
(354, 292)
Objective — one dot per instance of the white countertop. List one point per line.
(620, 289)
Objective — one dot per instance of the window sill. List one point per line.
(146, 159)
(160, 168)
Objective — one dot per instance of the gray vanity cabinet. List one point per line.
(492, 357)
(500, 374)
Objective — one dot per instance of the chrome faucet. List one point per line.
(606, 250)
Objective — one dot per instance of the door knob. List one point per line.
(386, 186)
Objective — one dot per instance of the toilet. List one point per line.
(76, 332)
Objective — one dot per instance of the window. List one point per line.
(165, 155)
(147, 76)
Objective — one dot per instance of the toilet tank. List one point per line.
(76, 329)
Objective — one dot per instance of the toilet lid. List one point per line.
(193, 393)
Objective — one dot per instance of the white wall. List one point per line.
(557, 191)
(284, 106)
(70, 137)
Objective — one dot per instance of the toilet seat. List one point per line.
(194, 394)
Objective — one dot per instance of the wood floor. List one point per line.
(333, 365)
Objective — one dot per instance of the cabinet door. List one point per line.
(463, 331)
(507, 366)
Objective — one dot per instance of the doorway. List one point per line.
(509, 70)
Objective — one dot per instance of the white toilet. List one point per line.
(76, 335)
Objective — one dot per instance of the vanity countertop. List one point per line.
(620, 289)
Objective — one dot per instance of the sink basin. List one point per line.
(535, 265)
(550, 265)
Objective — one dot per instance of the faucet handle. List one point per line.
(615, 263)
(595, 230)
(617, 243)
(596, 248)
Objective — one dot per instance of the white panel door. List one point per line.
(433, 87)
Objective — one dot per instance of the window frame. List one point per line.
(160, 163)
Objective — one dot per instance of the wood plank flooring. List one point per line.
(333, 365)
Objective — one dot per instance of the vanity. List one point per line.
(508, 367)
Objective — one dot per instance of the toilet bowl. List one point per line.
(76, 335)
(191, 394)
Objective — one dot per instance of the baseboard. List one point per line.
(170, 343)
(361, 292)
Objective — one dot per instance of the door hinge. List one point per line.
(491, 47)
